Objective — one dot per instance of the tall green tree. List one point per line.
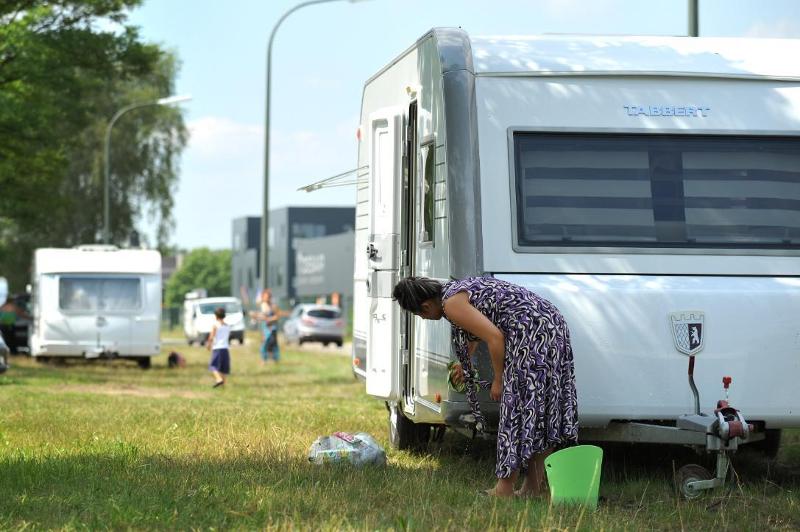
(201, 268)
(66, 66)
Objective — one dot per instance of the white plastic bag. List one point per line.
(358, 449)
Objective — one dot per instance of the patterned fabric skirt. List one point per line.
(539, 407)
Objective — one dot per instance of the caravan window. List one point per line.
(657, 191)
(97, 293)
(428, 184)
(231, 307)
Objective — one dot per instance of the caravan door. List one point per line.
(383, 252)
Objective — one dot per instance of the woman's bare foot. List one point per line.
(529, 492)
(493, 492)
(503, 488)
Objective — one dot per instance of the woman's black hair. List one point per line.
(219, 312)
(411, 292)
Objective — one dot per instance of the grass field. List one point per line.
(107, 445)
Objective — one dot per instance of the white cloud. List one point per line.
(212, 138)
(784, 28)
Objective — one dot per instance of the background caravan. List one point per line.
(97, 301)
(632, 181)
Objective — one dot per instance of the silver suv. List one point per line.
(315, 323)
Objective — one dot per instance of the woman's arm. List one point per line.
(276, 314)
(458, 371)
(461, 312)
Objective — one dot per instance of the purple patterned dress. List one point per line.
(539, 407)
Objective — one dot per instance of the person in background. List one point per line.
(219, 344)
(531, 355)
(268, 317)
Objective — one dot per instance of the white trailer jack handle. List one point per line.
(724, 431)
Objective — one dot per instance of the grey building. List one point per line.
(310, 229)
(321, 268)
(245, 254)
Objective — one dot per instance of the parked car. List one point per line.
(3, 355)
(315, 323)
(15, 322)
(198, 318)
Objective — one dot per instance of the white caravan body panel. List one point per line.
(628, 367)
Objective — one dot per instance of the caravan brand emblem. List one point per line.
(667, 110)
(687, 331)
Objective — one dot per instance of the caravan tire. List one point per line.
(144, 362)
(769, 445)
(404, 434)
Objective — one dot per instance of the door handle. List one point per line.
(372, 252)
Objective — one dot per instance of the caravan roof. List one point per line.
(687, 56)
(97, 260)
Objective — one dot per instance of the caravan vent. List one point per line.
(96, 247)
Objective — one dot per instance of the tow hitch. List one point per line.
(724, 431)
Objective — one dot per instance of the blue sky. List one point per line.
(321, 57)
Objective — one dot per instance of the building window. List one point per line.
(307, 230)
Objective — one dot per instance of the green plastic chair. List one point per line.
(574, 475)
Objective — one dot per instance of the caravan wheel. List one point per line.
(769, 445)
(404, 434)
(144, 362)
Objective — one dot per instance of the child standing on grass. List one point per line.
(218, 344)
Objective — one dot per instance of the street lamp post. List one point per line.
(693, 20)
(107, 155)
(264, 243)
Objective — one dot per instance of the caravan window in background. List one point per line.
(657, 191)
(94, 293)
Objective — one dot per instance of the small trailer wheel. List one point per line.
(691, 473)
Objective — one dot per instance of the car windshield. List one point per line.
(325, 313)
(230, 307)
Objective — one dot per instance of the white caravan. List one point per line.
(648, 186)
(3, 290)
(198, 317)
(96, 301)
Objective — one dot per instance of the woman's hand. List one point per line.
(457, 374)
(497, 389)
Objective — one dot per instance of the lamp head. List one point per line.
(170, 100)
